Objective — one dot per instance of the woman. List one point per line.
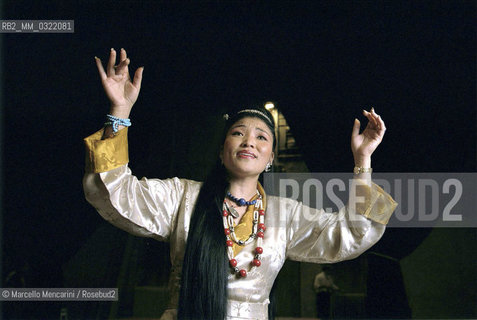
(226, 250)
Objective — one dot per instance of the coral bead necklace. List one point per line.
(258, 232)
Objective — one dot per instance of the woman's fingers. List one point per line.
(120, 71)
(138, 78)
(370, 117)
(356, 126)
(111, 62)
(111, 69)
(381, 126)
(123, 62)
(379, 122)
(375, 121)
(99, 65)
(122, 54)
(376, 117)
(121, 68)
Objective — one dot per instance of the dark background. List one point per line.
(321, 62)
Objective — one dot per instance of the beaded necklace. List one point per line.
(257, 234)
(241, 202)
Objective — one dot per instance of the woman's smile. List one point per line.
(246, 154)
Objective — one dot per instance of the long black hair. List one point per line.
(205, 268)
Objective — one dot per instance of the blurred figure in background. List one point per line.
(324, 287)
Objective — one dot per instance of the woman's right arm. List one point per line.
(145, 207)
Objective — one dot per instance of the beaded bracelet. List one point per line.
(115, 122)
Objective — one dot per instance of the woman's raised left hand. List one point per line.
(364, 144)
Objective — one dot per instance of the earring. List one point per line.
(268, 167)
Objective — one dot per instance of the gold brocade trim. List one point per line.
(378, 205)
(107, 154)
(244, 228)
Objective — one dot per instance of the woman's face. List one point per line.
(248, 147)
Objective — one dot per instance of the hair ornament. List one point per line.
(256, 112)
(226, 116)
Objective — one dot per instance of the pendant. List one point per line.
(232, 211)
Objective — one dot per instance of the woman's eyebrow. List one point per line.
(241, 125)
(262, 130)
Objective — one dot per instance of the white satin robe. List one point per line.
(162, 209)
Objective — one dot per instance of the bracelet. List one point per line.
(358, 170)
(115, 122)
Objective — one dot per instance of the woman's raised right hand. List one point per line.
(117, 84)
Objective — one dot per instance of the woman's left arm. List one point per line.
(332, 237)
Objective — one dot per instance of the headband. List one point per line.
(257, 112)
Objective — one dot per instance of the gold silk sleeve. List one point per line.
(105, 155)
(377, 205)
